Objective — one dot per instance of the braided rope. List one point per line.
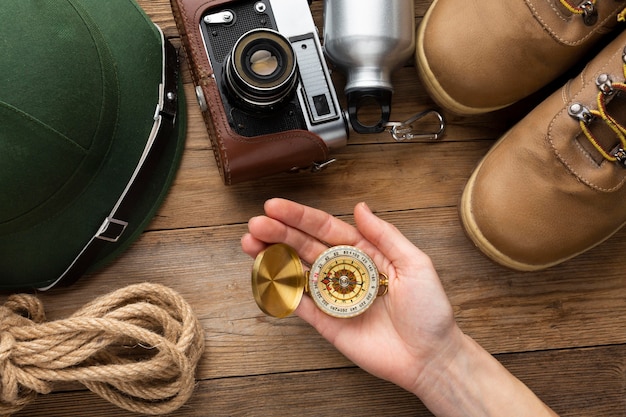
(137, 347)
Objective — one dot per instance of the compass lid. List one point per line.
(278, 280)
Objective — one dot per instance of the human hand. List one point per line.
(403, 333)
(409, 336)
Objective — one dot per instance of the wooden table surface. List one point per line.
(561, 331)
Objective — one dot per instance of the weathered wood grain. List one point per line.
(561, 378)
(503, 310)
(559, 330)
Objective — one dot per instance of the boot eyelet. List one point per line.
(590, 13)
(620, 157)
(580, 112)
(605, 84)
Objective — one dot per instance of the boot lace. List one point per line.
(587, 9)
(608, 89)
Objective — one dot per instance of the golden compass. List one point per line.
(343, 281)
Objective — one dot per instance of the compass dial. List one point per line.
(343, 281)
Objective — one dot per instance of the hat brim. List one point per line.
(43, 253)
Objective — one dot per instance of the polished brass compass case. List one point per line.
(343, 281)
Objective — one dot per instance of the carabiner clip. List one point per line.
(405, 131)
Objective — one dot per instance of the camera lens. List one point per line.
(261, 69)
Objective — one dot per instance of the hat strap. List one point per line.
(114, 225)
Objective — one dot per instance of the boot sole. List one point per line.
(438, 94)
(487, 248)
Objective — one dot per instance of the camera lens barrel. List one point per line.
(261, 70)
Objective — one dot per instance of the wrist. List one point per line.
(443, 362)
(466, 380)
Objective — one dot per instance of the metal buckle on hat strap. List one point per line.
(113, 227)
(111, 230)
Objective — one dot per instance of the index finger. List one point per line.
(314, 223)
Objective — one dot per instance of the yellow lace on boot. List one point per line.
(608, 89)
(587, 9)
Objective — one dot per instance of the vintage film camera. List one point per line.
(263, 85)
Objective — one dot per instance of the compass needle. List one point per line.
(350, 281)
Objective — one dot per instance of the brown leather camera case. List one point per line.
(239, 158)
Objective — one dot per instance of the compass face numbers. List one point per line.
(343, 281)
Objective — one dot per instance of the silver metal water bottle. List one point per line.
(367, 40)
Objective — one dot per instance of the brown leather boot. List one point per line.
(476, 56)
(554, 185)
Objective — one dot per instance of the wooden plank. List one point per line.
(587, 382)
(555, 329)
(505, 311)
(389, 176)
(161, 14)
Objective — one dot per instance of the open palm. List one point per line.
(405, 330)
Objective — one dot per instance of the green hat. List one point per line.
(91, 132)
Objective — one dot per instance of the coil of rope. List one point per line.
(137, 347)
